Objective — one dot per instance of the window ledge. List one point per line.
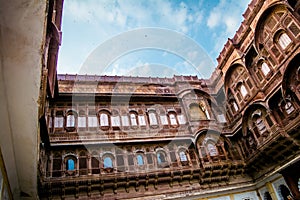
(70, 172)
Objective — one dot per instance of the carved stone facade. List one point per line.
(233, 136)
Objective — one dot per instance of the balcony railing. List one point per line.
(64, 136)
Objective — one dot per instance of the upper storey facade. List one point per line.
(112, 136)
(130, 108)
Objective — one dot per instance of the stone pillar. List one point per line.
(89, 164)
(77, 166)
(63, 165)
(271, 191)
(50, 165)
(225, 153)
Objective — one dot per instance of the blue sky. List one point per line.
(146, 37)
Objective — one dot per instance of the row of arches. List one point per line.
(259, 118)
(104, 119)
(276, 29)
(71, 164)
(276, 34)
(214, 147)
(211, 147)
(60, 119)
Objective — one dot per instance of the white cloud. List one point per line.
(185, 68)
(105, 19)
(224, 20)
(116, 70)
(198, 17)
(226, 14)
(151, 69)
(132, 13)
(192, 55)
(214, 19)
(231, 24)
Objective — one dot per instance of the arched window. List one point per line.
(70, 120)
(104, 119)
(235, 82)
(173, 120)
(107, 162)
(212, 149)
(152, 118)
(284, 40)
(289, 108)
(133, 119)
(182, 156)
(161, 158)
(265, 68)
(243, 90)
(259, 122)
(70, 165)
(140, 160)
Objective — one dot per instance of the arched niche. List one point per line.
(256, 125)
(276, 32)
(212, 147)
(70, 161)
(291, 79)
(104, 119)
(238, 82)
(200, 105)
(235, 71)
(108, 162)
